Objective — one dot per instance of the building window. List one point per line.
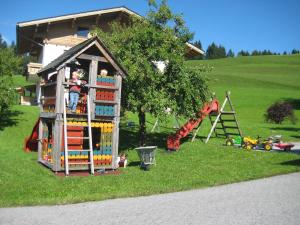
(82, 31)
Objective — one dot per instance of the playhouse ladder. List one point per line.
(90, 149)
(222, 118)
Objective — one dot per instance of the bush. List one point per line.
(280, 111)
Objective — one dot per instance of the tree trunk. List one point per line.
(142, 130)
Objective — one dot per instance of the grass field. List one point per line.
(255, 83)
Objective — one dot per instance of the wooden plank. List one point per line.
(57, 141)
(93, 70)
(59, 91)
(228, 133)
(48, 84)
(231, 127)
(49, 115)
(116, 122)
(228, 120)
(228, 112)
(95, 86)
(103, 87)
(39, 141)
(93, 58)
(106, 102)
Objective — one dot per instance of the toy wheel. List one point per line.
(287, 149)
(268, 147)
(229, 142)
(248, 147)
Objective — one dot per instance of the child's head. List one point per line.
(103, 72)
(75, 75)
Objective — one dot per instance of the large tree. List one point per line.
(160, 37)
(10, 64)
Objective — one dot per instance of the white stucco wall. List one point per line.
(51, 52)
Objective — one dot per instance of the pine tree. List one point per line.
(230, 53)
(3, 43)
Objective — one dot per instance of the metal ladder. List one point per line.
(67, 150)
(222, 121)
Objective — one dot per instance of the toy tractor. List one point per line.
(250, 143)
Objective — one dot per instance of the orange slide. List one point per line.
(173, 141)
(31, 142)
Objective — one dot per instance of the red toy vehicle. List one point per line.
(284, 146)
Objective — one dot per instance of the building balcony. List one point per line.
(32, 70)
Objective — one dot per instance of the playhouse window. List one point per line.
(82, 31)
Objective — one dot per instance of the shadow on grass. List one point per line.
(295, 136)
(295, 162)
(294, 102)
(129, 138)
(294, 129)
(134, 164)
(9, 118)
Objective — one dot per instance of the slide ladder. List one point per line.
(89, 137)
(173, 141)
(226, 119)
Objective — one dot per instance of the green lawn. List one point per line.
(255, 82)
(20, 81)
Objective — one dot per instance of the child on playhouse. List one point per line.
(75, 90)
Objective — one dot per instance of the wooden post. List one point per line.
(57, 142)
(57, 134)
(60, 91)
(116, 122)
(39, 140)
(92, 81)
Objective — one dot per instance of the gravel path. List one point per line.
(274, 200)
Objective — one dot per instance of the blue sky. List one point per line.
(236, 24)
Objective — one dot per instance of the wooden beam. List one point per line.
(73, 22)
(97, 19)
(39, 140)
(92, 58)
(60, 91)
(92, 81)
(110, 60)
(116, 122)
(36, 28)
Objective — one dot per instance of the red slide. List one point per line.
(31, 142)
(173, 141)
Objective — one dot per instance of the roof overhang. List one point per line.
(76, 51)
(76, 15)
(190, 52)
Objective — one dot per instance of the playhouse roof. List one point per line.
(68, 55)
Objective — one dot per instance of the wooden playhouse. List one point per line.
(87, 139)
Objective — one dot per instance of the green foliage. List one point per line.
(215, 52)
(3, 43)
(243, 53)
(10, 64)
(279, 111)
(160, 37)
(295, 51)
(230, 53)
